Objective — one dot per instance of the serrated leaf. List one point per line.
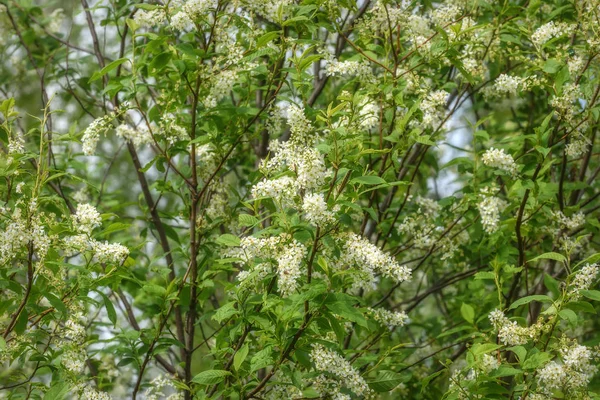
(228, 240)
(240, 356)
(591, 294)
(99, 74)
(247, 220)
(468, 312)
(211, 377)
(528, 299)
(550, 256)
(369, 180)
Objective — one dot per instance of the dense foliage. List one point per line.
(322, 199)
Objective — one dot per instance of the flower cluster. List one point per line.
(137, 136)
(316, 211)
(572, 375)
(358, 251)
(282, 251)
(388, 318)
(86, 218)
(583, 280)
(497, 158)
(434, 109)
(510, 333)
(331, 362)
(490, 208)
(506, 84)
(549, 31)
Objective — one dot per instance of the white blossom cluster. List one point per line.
(549, 31)
(434, 109)
(391, 319)
(86, 218)
(23, 227)
(573, 222)
(273, 10)
(506, 84)
(577, 147)
(349, 68)
(490, 207)
(284, 252)
(489, 363)
(316, 211)
(571, 375)
(331, 362)
(138, 136)
(157, 389)
(220, 85)
(510, 333)
(150, 18)
(497, 158)
(368, 114)
(91, 136)
(567, 104)
(331, 387)
(583, 280)
(370, 260)
(84, 221)
(90, 393)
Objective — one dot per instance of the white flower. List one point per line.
(490, 208)
(489, 363)
(506, 84)
(583, 280)
(86, 218)
(137, 136)
(434, 109)
(315, 209)
(497, 158)
(331, 362)
(551, 30)
(113, 253)
(388, 318)
(150, 18)
(577, 147)
(358, 251)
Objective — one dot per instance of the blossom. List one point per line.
(370, 260)
(86, 218)
(505, 84)
(315, 209)
(490, 208)
(583, 280)
(334, 364)
(550, 30)
(137, 136)
(113, 253)
(388, 318)
(497, 158)
(434, 108)
(150, 18)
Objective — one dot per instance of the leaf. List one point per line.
(591, 294)
(211, 377)
(569, 315)
(247, 220)
(428, 379)
(99, 74)
(160, 61)
(551, 256)
(261, 359)
(468, 312)
(386, 381)
(537, 360)
(225, 312)
(505, 371)
(58, 391)
(483, 348)
(56, 303)
(228, 240)
(110, 309)
(528, 299)
(240, 356)
(369, 180)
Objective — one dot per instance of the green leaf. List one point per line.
(56, 303)
(345, 310)
(225, 312)
(537, 360)
(228, 240)
(369, 180)
(240, 356)
(551, 256)
(483, 348)
(468, 312)
(110, 309)
(386, 381)
(58, 391)
(528, 299)
(211, 377)
(160, 61)
(99, 74)
(247, 220)
(591, 294)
